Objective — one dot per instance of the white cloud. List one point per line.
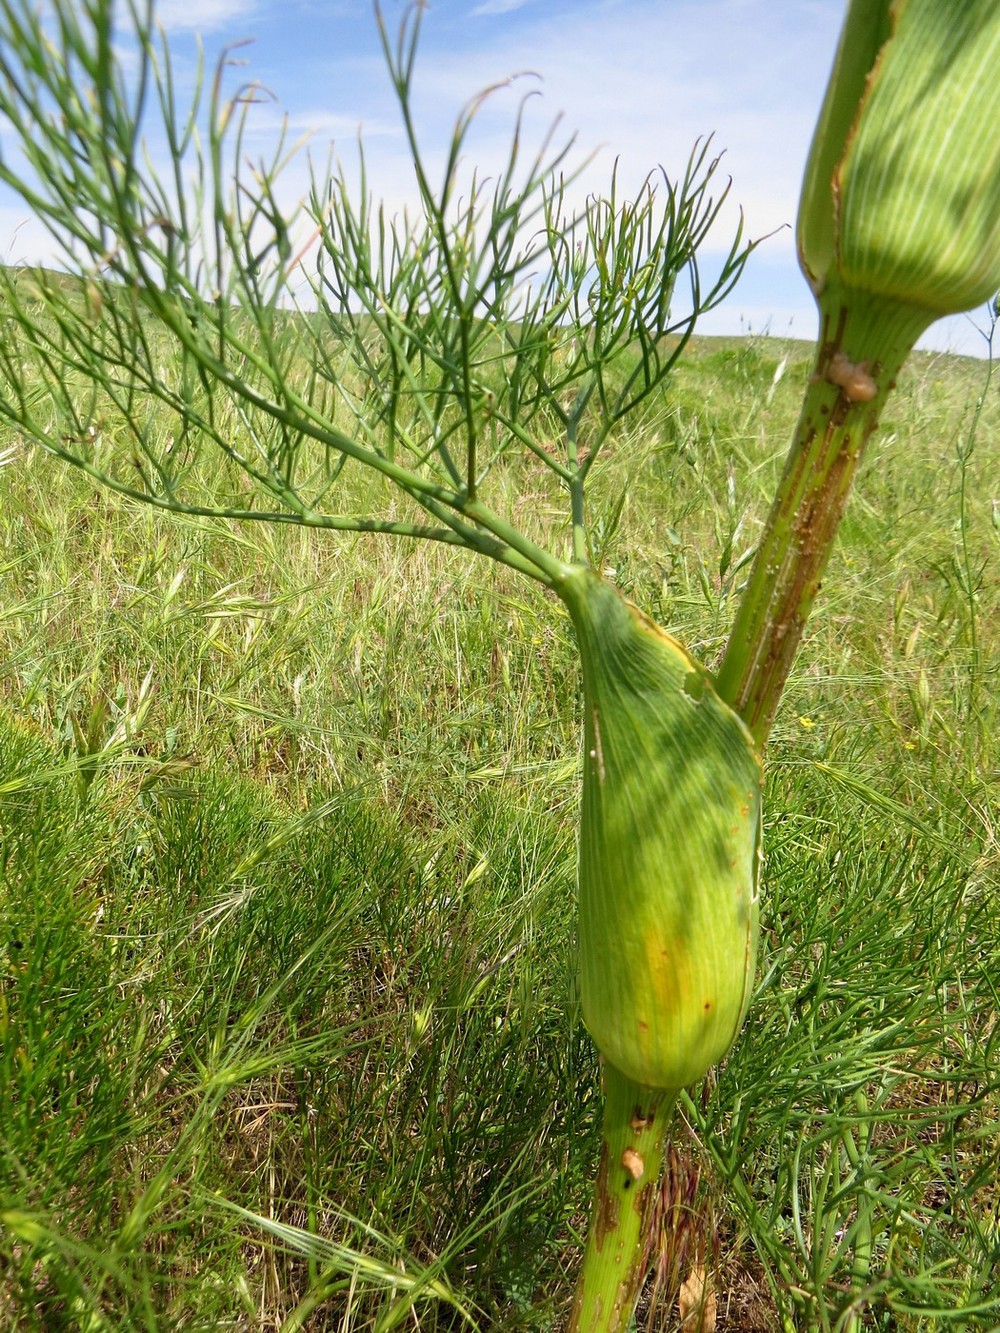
(319, 126)
(23, 239)
(202, 15)
(646, 86)
(498, 7)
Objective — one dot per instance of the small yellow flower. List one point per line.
(806, 723)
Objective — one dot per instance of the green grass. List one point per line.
(289, 1031)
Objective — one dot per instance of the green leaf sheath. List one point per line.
(669, 847)
(901, 197)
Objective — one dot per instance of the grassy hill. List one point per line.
(289, 1031)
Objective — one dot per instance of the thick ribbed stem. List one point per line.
(668, 865)
(863, 344)
(636, 1123)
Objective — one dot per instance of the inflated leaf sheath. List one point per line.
(669, 847)
(901, 197)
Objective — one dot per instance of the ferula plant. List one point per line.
(315, 345)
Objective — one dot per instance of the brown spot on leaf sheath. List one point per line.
(606, 1214)
(633, 1163)
(856, 365)
(852, 378)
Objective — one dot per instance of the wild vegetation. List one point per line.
(290, 1027)
(290, 1018)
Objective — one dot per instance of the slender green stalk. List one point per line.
(856, 1150)
(859, 354)
(633, 1138)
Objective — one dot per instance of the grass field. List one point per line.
(289, 1031)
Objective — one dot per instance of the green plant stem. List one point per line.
(857, 1152)
(863, 343)
(636, 1121)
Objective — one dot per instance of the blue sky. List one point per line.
(639, 80)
